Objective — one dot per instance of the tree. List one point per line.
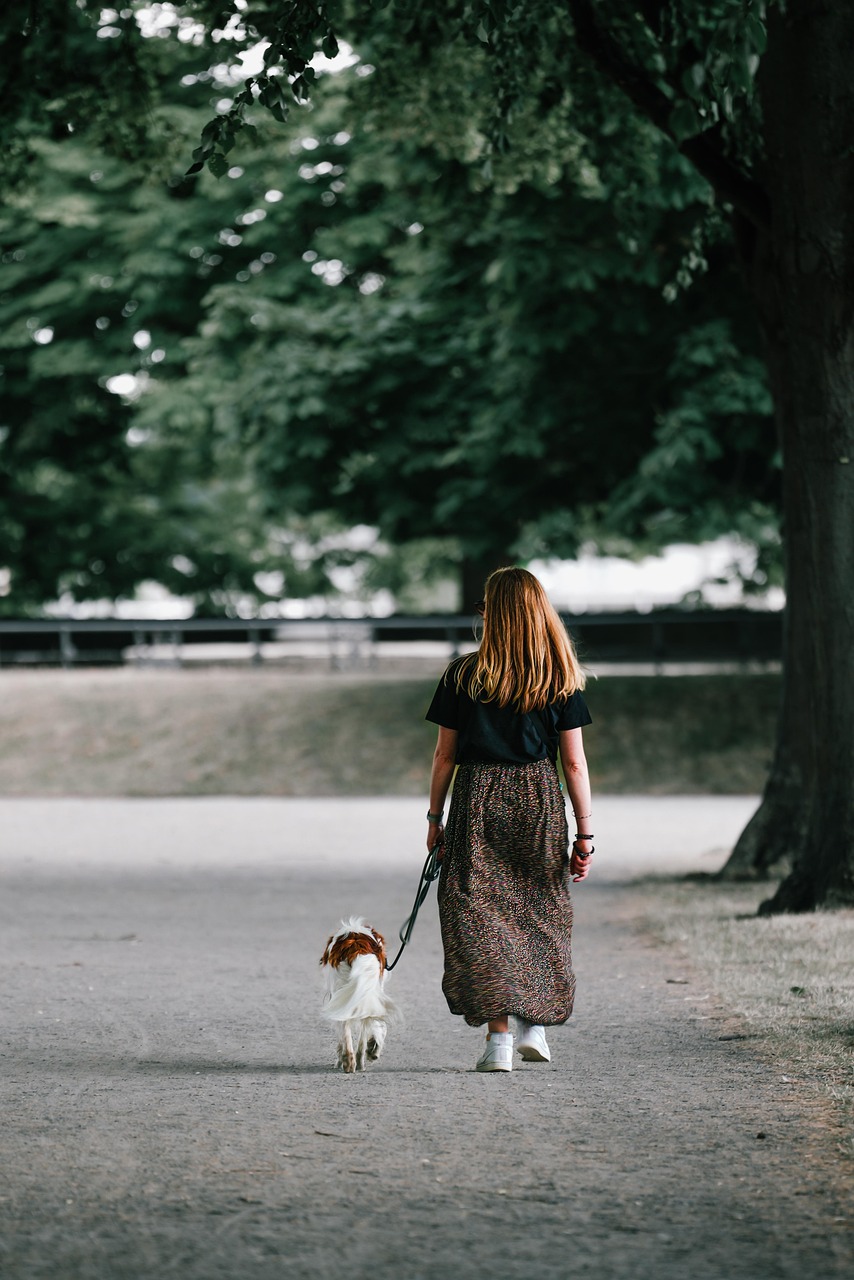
(434, 366)
(442, 381)
(90, 505)
(780, 163)
(785, 169)
(106, 263)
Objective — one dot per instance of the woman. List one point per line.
(503, 713)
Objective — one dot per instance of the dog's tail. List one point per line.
(360, 993)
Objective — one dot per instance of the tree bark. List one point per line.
(802, 275)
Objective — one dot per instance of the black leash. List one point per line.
(430, 872)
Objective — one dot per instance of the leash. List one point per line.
(430, 872)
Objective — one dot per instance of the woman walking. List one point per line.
(504, 713)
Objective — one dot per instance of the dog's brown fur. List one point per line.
(345, 950)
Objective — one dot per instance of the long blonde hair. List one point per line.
(526, 658)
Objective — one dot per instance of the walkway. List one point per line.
(169, 1108)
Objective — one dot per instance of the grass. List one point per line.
(273, 732)
(789, 977)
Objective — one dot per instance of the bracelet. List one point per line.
(580, 816)
(435, 817)
(583, 856)
(579, 835)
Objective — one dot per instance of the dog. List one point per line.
(354, 968)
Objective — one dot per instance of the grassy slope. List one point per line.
(270, 732)
(790, 978)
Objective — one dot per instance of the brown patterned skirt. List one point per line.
(504, 903)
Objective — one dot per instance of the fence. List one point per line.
(662, 637)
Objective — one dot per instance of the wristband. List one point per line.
(579, 835)
(435, 817)
(582, 856)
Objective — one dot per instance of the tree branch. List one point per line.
(729, 181)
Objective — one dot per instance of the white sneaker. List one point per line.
(531, 1043)
(497, 1053)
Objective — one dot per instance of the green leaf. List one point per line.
(756, 33)
(694, 80)
(685, 122)
(218, 165)
(742, 70)
(300, 89)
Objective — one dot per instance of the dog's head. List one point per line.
(355, 938)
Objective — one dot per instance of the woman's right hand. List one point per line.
(436, 836)
(579, 865)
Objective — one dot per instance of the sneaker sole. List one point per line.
(494, 1066)
(530, 1054)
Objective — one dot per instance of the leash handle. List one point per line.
(430, 872)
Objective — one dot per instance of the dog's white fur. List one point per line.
(355, 999)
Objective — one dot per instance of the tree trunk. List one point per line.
(768, 844)
(802, 275)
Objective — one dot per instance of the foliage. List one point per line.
(505, 328)
(433, 362)
(689, 68)
(103, 274)
(71, 70)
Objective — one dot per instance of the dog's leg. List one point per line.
(362, 1050)
(376, 1039)
(347, 1056)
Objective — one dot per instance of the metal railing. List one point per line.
(663, 636)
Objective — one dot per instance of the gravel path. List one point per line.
(169, 1107)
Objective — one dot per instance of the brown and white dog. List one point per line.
(354, 967)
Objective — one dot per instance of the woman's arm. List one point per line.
(574, 763)
(444, 763)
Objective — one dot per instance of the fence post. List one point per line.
(177, 639)
(67, 651)
(255, 641)
(658, 646)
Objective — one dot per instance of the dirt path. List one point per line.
(169, 1108)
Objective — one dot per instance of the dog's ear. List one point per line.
(379, 937)
(324, 959)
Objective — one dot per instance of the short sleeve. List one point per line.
(574, 714)
(444, 710)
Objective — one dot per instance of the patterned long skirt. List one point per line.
(504, 903)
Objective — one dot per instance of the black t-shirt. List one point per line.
(492, 734)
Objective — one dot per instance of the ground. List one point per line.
(274, 732)
(170, 1106)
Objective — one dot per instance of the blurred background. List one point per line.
(290, 410)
